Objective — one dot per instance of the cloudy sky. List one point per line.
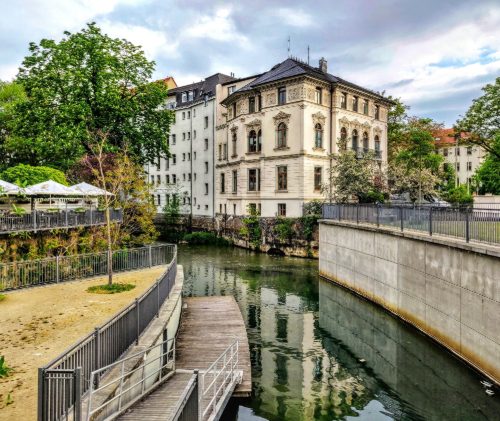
(435, 54)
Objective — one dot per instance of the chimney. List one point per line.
(323, 65)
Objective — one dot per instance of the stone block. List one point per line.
(412, 308)
(385, 295)
(411, 253)
(386, 247)
(385, 271)
(471, 310)
(444, 327)
(443, 296)
(411, 282)
(443, 262)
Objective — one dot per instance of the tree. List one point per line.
(85, 84)
(26, 175)
(459, 195)
(11, 94)
(487, 177)
(124, 179)
(351, 177)
(416, 168)
(396, 123)
(482, 120)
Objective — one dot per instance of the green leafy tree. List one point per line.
(487, 177)
(459, 195)
(482, 120)
(251, 229)
(11, 94)
(396, 123)
(85, 84)
(353, 178)
(26, 175)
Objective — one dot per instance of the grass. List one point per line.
(4, 368)
(2, 297)
(115, 288)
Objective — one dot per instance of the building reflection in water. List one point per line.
(319, 352)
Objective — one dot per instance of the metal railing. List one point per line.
(218, 380)
(40, 220)
(128, 380)
(469, 224)
(30, 273)
(56, 399)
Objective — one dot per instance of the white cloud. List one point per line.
(295, 17)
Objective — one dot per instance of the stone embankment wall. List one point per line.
(302, 241)
(448, 289)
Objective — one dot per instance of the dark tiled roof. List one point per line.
(200, 89)
(292, 68)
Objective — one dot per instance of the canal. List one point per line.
(321, 353)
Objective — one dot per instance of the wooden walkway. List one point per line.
(160, 404)
(208, 326)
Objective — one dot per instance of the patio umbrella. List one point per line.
(51, 188)
(90, 190)
(8, 189)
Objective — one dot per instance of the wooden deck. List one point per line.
(208, 326)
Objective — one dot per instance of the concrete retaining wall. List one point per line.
(447, 289)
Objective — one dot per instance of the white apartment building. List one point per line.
(465, 158)
(189, 172)
(277, 130)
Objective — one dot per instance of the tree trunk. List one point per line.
(110, 251)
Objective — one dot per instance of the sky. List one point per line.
(433, 54)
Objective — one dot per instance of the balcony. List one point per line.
(362, 152)
(43, 220)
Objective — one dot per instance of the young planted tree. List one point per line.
(482, 120)
(82, 85)
(487, 177)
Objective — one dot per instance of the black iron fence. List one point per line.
(42, 220)
(63, 381)
(28, 273)
(465, 223)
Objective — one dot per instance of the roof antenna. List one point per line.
(308, 55)
(288, 45)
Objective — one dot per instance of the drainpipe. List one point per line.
(191, 171)
(214, 110)
(332, 91)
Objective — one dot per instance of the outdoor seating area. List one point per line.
(51, 205)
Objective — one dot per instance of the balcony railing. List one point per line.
(361, 152)
(40, 220)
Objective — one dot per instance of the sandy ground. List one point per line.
(37, 324)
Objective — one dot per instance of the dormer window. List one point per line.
(190, 95)
(184, 97)
(231, 89)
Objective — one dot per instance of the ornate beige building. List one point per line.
(275, 134)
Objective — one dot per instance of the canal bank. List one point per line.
(319, 352)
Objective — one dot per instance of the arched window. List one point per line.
(234, 139)
(318, 136)
(281, 135)
(252, 141)
(354, 140)
(259, 141)
(365, 142)
(377, 147)
(343, 133)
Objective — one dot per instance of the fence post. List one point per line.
(158, 297)
(357, 213)
(41, 380)
(57, 269)
(338, 207)
(78, 393)
(97, 355)
(401, 217)
(34, 219)
(378, 214)
(66, 214)
(430, 221)
(467, 232)
(91, 214)
(137, 319)
(150, 256)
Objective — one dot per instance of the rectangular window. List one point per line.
(355, 102)
(194, 112)
(458, 166)
(318, 96)
(343, 100)
(365, 107)
(159, 200)
(206, 122)
(183, 115)
(174, 159)
(184, 177)
(189, 114)
(457, 151)
(220, 152)
(184, 97)
(234, 209)
(281, 209)
(189, 176)
(235, 181)
(445, 152)
(194, 134)
(252, 208)
(174, 179)
(225, 150)
(282, 96)
(469, 150)
(317, 178)
(189, 135)
(158, 179)
(206, 188)
(167, 179)
(254, 179)
(173, 139)
(183, 136)
(194, 176)
(377, 112)
(206, 144)
(251, 104)
(231, 89)
(158, 165)
(469, 166)
(152, 179)
(282, 177)
(189, 156)
(259, 102)
(190, 96)
(206, 167)
(233, 108)
(194, 156)
(223, 183)
(183, 156)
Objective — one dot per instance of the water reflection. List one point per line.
(321, 353)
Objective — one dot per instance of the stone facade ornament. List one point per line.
(318, 118)
(271, 99)
(234, 129)
(344, 122)
(295, 93)
(281, 117)
(377, 131)
(253, 125)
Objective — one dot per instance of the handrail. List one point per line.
(126, 383)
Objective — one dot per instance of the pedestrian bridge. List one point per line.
(190, 377)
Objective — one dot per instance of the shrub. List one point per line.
(4, 368)
(309, 222)
(25, 175)
(251, 229)
(2, 297)
(110, 289)
(459, 195)
(284, 228)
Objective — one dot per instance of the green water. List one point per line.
(321, 353)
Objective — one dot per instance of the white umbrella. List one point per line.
(90, 190)
(7, 189)
(52, 188)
